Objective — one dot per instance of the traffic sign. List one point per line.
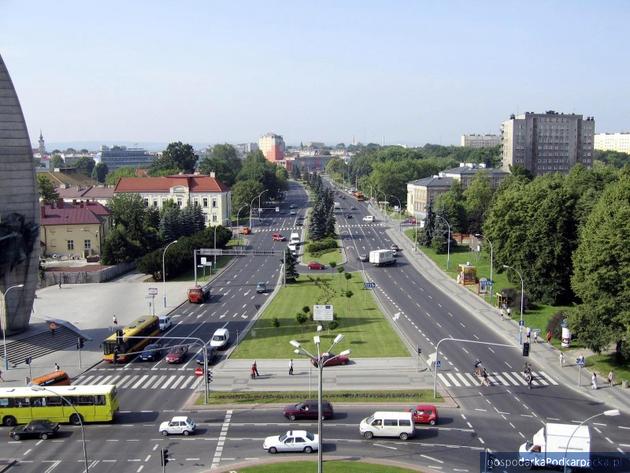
(438, 363)
(323, 312)
(580, 361)
(521, 323)
(153, 291)
(369, 285)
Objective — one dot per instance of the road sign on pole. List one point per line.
(369, 285)
(323, 312)
(153, 291)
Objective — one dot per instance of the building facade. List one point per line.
(480, 141)
(74, 231)
(121, 156)
(619, 142)
(547, 142)
(214, 198)
(272, 146)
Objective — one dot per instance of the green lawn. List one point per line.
(329, 466)
(222, 261)
(606, 362)
(334, 254)
(366, 331)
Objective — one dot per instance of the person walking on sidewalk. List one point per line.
(561, 359)
(594, 381)
(115, 321)
(291, 367)
(549, 336)
(528, 334)
(57, 368)
(536, 336)
(509, 312)
(255, 369)
(611, 379)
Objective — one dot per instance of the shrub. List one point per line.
(555, 324)
(321, 245)
(333, 325)
(349, 294)
(275, 322)
(301, 318)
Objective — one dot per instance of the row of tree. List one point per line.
(322, 219)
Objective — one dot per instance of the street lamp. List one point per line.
(520, 324)
(85, 457)
(448, 243)
(252, 203)
(608, 413)
(4, 324)
(299, 350)
(399, 211)
(479, 235)
(164, 271)
(239, 212)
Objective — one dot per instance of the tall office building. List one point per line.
(480, 141)
(121, 156)
(613, 142)
(272, 146)
(547, 142)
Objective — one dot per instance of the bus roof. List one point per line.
(133, 327)
(60, 390)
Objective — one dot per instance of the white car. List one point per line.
(178, 425)
(220, 339)
(165, 322)
(368, 218)
(292, 441)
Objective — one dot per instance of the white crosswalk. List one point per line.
(505, 378)
(289, 229)
(158, 381)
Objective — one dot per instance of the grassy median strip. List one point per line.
(325, 257)
(332, 466)
(275, 397)
(366, 331)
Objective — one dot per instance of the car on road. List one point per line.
(394, 247)
(165, 322)
(292, 206)
(353, 208)
(424, 414)
(315, 265)
(330, 359)
(368, 218)
(292, 212)
(261, 287)
(292, 441)
(349, 216)
(410, 220)
(299, 224)
(152, 352)
(40, 429)
(177, 354)
(220, 339)
(364, 257)
(246, 231)
(278, 237)
(212, 354)
(178, 425)
(308, 410)
(388, 424)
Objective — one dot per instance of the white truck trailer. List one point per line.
(382, 257)
(555, 444)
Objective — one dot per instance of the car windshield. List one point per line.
(282, 438)
(369, 420)
(310, 436)
(218, 338)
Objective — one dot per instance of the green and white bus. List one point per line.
(20, 405)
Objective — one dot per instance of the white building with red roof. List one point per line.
(214, 197)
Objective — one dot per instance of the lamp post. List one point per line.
(4, 323)
(399, 212)
(252, 203)
(478, 235)
(85, 456)
(520, 324)
(608, 413)
(164, 270)
(448, 243)
(299, 350)
(239, 212)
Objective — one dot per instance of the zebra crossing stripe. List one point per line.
(549, 378)
(83, 379)
(186, 382)
(168, 381)
(196, 383)
(96, 380)
(179, 380)
(121, 383)
(463, 378)
(106, 379)
(510, 379)
(453, 379)
(444, 380)
(474, 381)
(140, 381)
(154, 383)
(497, 379)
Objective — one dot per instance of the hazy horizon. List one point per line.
(399, 72)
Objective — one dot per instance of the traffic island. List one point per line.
(284, 465)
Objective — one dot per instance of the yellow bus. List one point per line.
(145, 326)
(20, 405)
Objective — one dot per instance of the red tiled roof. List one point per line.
(68, 214)
(90, 192)
(195, 183)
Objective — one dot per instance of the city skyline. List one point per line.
(399, 74)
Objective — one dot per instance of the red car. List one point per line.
(277, 237)
(410, 220)
(315, 265)
(335, 361)
(425, 414)
(176, 355)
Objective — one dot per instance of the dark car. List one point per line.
(353, 208)
(299, 224)
(315, 265)
(308, 410)
(349, 216)
(151, 352)
(363, 257)
(212, 353)
(41, 429)
(177, 355)
(395, 247)
(334, 360)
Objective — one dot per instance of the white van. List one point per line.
(388, 424)
(293, 248)
(295, 238)
(221, 339)
(368, 218)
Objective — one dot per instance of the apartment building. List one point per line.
(272, 146)
(613, 142)
(480, 141)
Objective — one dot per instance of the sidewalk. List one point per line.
(541, 353)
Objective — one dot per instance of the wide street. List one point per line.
(499, 417)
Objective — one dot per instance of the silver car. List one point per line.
(292, 441)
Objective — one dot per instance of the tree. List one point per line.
(224, 162)
(119, 248)
(295, 172)
(177, 155)
(478, 198)
(85, 165)
(171, 227)
(128, 211)
(100, 172)
(198, 219)
(57, 161)
(244, 192)
(450, 206)
(257, 168)
(114, 176)
(46, 189)
(289, 270)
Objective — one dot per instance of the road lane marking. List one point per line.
(385, 446)
(431, 458)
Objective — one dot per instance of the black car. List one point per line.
(212, 353)
(353, 208)
(349, 216)
(299, 224)
(41, 429)
(151, 352)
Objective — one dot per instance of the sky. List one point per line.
(398, 72)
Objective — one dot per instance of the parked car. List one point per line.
(335, 360)
(292, 206)
(308, 410)
(178, 425)
(40, 429)
(277, 237)
(299, 224)
(177, 354)
(212, 354)
(165, 322)
(410, 220)
(152, 352)
(261, 287)
(292, 441)
(424, 414)
(315, 265)
(220, 339)
(363, 257)
(349, 216)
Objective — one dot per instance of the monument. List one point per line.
(19, 213)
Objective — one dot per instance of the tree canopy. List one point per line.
(177, 156)
(46, 189)
(224, 162)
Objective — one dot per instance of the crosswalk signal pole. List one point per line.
(164, 459)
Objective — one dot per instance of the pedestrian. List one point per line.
(561, 359)
(57, 367)
(59, 283)
(115, 320)
(536, 336)
(290, 367)
(255, 369)
(502, 312)
(594, 381)
(509, 312)
(549, 336)
(253, 372)
(611, 379)
(529, 380)
(529, 334)
(1, 378)
(486, 381)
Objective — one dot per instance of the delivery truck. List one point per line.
(556, 444)
(382, 257)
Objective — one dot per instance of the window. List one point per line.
(214, 218)
(404, 422)
(71, 244)
(146, 202)
(87, 244)
(53, 401)
(390, 422)
(214, 203)
(179, 202)
(205, 202)
(155, 203)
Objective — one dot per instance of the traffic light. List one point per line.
(209, 376)
(119, 337)
(80, 343)
(164, 456)
(526, 349)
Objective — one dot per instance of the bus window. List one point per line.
(4, 402)
(53, 401)
(21, 402)
(85, 400)
(99, 400)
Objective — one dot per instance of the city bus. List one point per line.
(20, 405)
(120, 344)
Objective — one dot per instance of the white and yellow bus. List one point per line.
(20, 405)
(145, 326)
